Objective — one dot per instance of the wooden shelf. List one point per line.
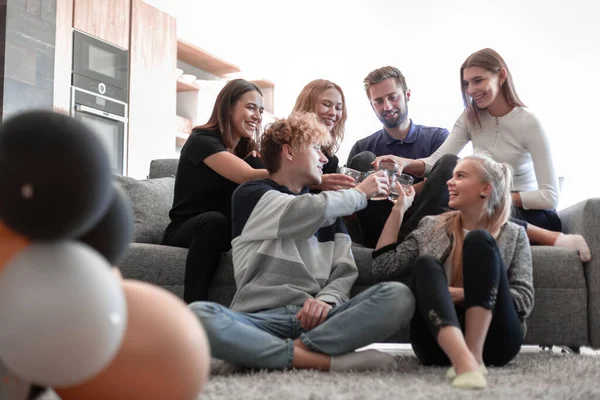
(183, 86)
(202, 59)
(263, 83)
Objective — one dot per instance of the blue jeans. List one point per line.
(265, 339)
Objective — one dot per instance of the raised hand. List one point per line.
(335, 182)
(375, 184)
(405, 198)
(401, 162)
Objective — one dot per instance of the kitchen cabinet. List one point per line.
(152, 87)
(105, 19)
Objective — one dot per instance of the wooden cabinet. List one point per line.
(105, 19)
(63, 56)
(152, 87)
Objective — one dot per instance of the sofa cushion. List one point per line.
(163, 168)
(160, 265)
(151, 200)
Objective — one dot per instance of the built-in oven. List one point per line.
(99, 94)
(100, 67)
(108, 118)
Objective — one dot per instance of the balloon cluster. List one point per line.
(66, 320)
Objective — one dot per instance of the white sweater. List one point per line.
(516, 139)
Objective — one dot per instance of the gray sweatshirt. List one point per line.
(288, 248)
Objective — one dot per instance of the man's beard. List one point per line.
(402, 117)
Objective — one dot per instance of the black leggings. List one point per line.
(547, 219)
(485, 285)
(207, 235)
(432, 200)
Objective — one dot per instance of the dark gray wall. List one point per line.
(27, 37)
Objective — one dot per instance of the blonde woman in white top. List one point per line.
(496, 121)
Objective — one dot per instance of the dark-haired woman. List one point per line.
(215, 159)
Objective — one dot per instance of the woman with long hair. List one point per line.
(497, 122)
(326, 99)
(215, 159)
(470, 271)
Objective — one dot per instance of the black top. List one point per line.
(332, 164)
(198, 188)
(330, 168)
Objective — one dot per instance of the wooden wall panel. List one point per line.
(152, 95)
(63, 55)
(105, 19)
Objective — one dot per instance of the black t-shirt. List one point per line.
(330, 168)
(332, 164)
(198, 188)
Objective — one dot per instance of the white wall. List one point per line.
(551, 46)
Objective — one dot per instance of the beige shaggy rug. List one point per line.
(532, 375)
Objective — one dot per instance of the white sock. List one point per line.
(362, 361)
(574, 242)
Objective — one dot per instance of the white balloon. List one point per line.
(63, 313)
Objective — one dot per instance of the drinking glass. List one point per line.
(404, 180)
(389, 166)
(387, 174)
(354, 174)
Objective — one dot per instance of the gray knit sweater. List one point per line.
(395, 262)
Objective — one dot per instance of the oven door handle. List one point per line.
(90, 110)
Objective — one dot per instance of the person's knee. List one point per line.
(400, 301)
(448, 161)
(479, 238)
(205, 310)
(362, 161)
(480, 243)
(212, 222)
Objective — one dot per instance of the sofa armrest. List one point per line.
(582, 218)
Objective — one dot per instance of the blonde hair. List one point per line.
(499, 204)
(308, 102)
(491, 61)
(298, 130)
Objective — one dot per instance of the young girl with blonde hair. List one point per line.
(470, 271)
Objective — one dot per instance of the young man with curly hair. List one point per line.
(294, 267)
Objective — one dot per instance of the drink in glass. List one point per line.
(386, 174)
(405, 182)
(354, 174)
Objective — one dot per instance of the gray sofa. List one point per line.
(567, 291)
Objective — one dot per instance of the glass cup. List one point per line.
(387, 174)
(389, 166)
(354, 174)
(404, 180)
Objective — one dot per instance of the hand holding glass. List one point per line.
(389, 168)
(354, 174)
(404, 180)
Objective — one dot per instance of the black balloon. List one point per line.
(112, 234)
(36, 392)
(55, 179)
